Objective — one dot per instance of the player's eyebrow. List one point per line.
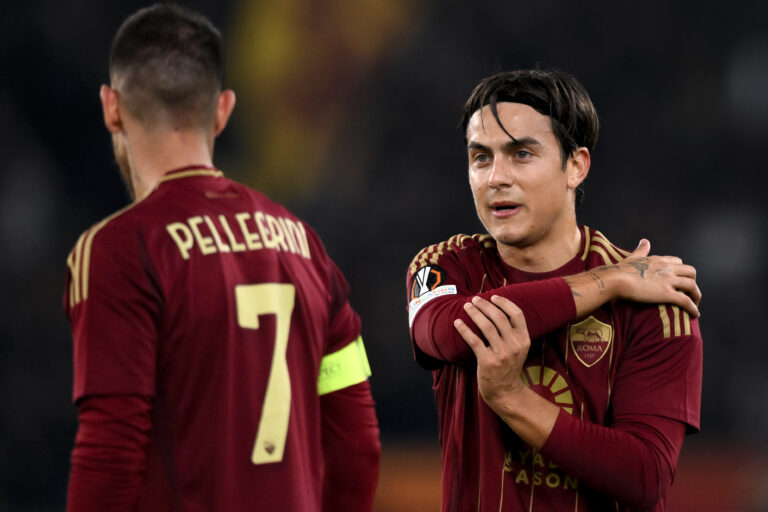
(514, 144)
(510, 145)
(477, 146)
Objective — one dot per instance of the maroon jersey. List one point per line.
(623, 361)
(219, 305)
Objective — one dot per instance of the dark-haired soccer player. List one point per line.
(591, 414)
(218, 363)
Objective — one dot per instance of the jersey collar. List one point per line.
(192, 170)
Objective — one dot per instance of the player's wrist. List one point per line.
(509, 401)
(617, 283)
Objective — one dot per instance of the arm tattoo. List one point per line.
(569, 282)
(599, 280)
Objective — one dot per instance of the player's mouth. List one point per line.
(504, 209)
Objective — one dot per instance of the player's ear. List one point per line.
(111, 108)
(577, 167)
(224, 109)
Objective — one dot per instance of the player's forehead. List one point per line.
(519, 120)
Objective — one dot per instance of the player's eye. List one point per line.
(481, 158)
(523, 154)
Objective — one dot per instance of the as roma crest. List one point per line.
(590, 340)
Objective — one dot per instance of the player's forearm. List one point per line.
(633, 462)
(593, 288)
(351, 449)
(546, 304)
(528, 414)
(109, 457)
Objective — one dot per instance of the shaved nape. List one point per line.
(167, 64)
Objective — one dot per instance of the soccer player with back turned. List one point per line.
(218, 364)
(566, 370)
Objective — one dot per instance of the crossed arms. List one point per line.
(634, 459)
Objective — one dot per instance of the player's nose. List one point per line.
(501, 175)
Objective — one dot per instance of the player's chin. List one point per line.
(507, 236)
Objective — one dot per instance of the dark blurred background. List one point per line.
(347, 112)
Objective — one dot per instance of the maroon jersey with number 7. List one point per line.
(218, 304)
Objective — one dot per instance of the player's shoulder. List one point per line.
(659, 322)
(101, 245)
(457, 245)
(599, 251)
(108, 228)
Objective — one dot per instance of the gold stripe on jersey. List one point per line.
(596, 242)
(75, 263)
(618, 254)
(194, 172)
(667, 331)
(678, 324)
(587, 243)
(82, 258)
(676, 316)
(432, 253)
(72, 272)
(87, 256)
(599, 250)
(71, 288)
(486, 240)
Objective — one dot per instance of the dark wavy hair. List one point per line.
(551, 93)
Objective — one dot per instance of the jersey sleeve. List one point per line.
(345, 322)
(633, 461)
(351, 449)
(113, 308)
(439, 287)
(662, 370)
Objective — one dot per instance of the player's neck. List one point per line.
(154, 154)
(555, 249)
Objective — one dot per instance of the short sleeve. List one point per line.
(114, 310)
(662, 370)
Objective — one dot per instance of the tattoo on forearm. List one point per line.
(570, 283)
(599, 280)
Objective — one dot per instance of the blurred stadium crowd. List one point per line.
(347, 112)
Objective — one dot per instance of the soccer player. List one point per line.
(218, 364)
(566, 370)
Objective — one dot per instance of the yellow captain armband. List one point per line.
(343, 368)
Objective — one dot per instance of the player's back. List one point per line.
(234, 298)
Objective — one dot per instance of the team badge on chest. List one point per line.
(590, 340)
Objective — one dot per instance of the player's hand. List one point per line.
(500, 363)
(658, 279)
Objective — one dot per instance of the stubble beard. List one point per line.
(123, 162)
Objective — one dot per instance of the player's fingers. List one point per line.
(495, 315)
(471, 339)
(512, 310)
(483, 323)
(665, 261)
(685, 271)
(687, 297)
(690, 288)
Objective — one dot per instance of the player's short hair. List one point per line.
(552, 93)
(169, 60)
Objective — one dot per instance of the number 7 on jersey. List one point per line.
(270, 299)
